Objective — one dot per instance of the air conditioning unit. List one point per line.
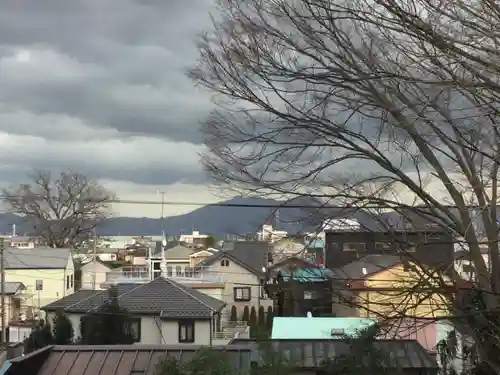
(337, 332)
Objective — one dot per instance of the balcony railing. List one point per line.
(141, 274)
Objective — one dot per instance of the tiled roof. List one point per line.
(251, 255)
(370, 264)
(37, 258)
(312, 353)
(161, 296)
(115, 360)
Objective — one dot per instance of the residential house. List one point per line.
(384, 285)
(195, 238)
(199, 256)
(427, 333)
(23, 242)
(18, 309)
(93, 274)
(47, 273)
(400, 294)
(177, 259)
(298, 286)
(308, 356)
(165, 311)
(115, 359)
(269, 234)
(243, 266)
(431, 247)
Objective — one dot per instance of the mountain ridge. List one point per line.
(247, 215)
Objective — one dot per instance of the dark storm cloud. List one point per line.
(86, 71)
(130, 45)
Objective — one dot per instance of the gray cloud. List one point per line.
(100, 87)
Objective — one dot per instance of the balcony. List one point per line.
(140, 274)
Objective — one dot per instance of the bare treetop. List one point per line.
(62, 209)
(391, 103)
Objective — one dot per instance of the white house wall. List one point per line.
(89, 270)
(236, 276)
(154, 331)
(54, 282)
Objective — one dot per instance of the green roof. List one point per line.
(300, 328)
(314, 274)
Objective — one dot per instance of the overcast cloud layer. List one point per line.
(99, 87)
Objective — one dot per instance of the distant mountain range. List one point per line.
(234, 216)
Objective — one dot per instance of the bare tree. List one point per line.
(365, 102)
(63, 210)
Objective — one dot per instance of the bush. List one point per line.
(39, 338)
(234, 314)
(253, 317)
(62, 329)
(261, 321)
(246, 314)
(269, 318)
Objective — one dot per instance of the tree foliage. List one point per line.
(261, 317)
(62, 329)
(64, 209)
(108, 325)
(385, 103)
(39, 338)
(205, 362)
(253, 317)
(269, 318)
(234, 314)
(246, 314)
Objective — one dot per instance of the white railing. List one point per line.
(141, 273)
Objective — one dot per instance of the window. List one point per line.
(186, 331)
(135, 329)
(354, 246)
(224, 263)
(72, 281)
(178, 270)
(407, 248)
(468, 268)
(169, 271)
(67, 282)
(383, 246)
(242, 294)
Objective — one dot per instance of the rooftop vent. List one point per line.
(337, 332)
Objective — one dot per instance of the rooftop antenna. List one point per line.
(13, 230)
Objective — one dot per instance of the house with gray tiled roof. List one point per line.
(164, 311)
(242, 265)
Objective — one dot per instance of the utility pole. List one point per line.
(2, 288)
(94, 258)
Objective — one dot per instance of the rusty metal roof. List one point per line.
(113, 360)
(312, 353)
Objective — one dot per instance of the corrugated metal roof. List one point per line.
(37, 258)
(312, 353)
(161, 296)
(309, 274)
(115, 360)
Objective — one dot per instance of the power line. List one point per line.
(285, 204)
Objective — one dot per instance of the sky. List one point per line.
(99, 87)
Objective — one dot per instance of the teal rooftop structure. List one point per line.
(313, 274)
(320, 328)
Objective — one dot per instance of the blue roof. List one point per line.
(300, 328)
(313, 274)
(6, 365)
